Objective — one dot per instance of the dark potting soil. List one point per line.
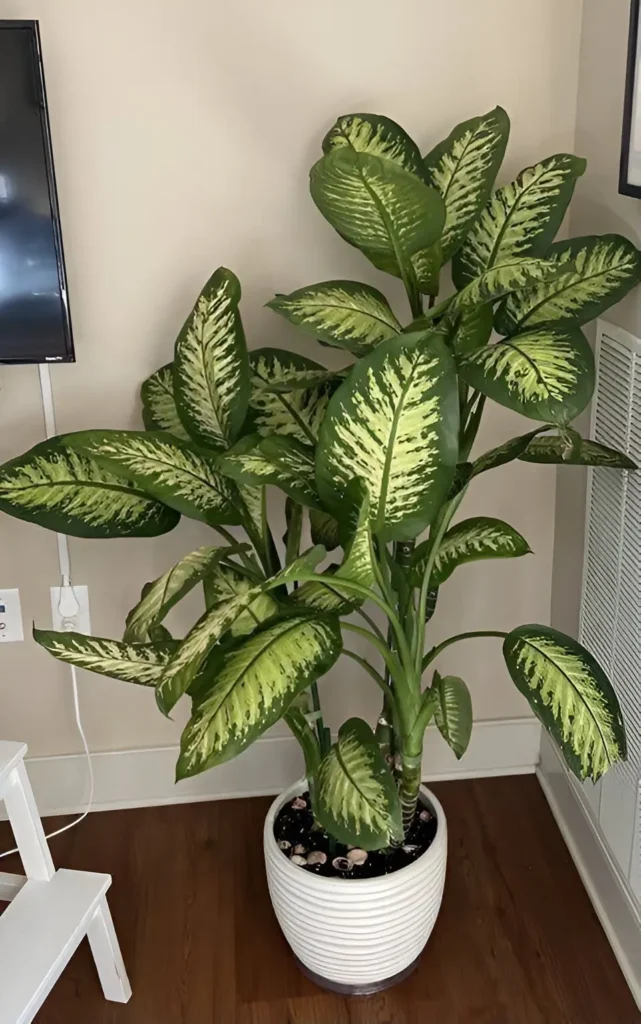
(299, 836)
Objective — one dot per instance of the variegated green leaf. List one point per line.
(570, 693)
(504, 453)
(280, 461)
(356, 798)
(211, 368)
(132, 663)
(345, 314)
(162, 594)
(226, 584)
(252, 686)
(302, 380)
(473, 329)
(175, 472)
(377, 135)
(324, 529)
(594, 273)
(159, 410)
(357, 567)
(462, 169)
(298, 413)
(184, 666)
(377, 206)
(557, 451)
(60, 489)
(453, 712)
(546, 374)
(521, 219)
(499, 281)
(394, 425)
(302, 565)
(470, 541)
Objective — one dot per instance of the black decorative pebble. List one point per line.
(295, 824)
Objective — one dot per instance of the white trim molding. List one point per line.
(142, 778)
(611, 898)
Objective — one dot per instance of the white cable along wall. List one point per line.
(610, 625)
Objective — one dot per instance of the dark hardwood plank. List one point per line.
(517, 941)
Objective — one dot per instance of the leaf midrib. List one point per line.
(250, 664)
(546, 657)
(290, 409)
(354, 309)
(389, 453)
(509, 216)
(560, 291)
(155, 459)
(354, 783)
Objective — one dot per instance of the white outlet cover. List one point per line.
(81, 622)
(10, 616)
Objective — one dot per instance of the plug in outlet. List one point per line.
(69, 614)
(10, 616)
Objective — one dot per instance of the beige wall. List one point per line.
(597, 208)
(183, 135)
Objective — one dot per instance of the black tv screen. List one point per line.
(35, 326)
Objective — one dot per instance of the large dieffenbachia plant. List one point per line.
(373, 455)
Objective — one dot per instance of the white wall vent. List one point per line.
(610, 624)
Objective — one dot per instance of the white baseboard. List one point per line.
(141, 778)
(614, 905)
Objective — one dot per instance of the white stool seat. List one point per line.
(51, 911)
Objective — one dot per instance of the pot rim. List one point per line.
(379, 883)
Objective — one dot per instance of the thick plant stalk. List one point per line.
(409, 790)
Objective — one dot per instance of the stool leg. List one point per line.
(106, 953)
(27, 827)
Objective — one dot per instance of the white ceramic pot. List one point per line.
(357, 935)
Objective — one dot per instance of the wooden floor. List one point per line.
(517, 941)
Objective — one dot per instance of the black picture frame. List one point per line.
(626, 187)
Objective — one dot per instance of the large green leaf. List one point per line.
(376, 135)
(345, 314)
(394, 425)
(453, 712)
(382, 209)
(493, 284)
(297, 413)
(357, 567)
(211, 368)
(226, 584)
(469, 541)
(188, 659)
(521, 219)
(504, 453)
(594, 273)
(324, 529)
(473, 329)
(557, 451)
(570, 693)
(173, 471)
(356, 798)
(462, 169)
(60, 489)
(277, 460)
(159, 596)
(132, 663)
(159, 410)
(252, 686)
(546, 374)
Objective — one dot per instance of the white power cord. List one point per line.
(68, 608)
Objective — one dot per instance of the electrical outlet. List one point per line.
(79, 622)
(10, 616)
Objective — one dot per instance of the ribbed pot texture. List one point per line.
(357, 932)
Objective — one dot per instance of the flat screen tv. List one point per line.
(35, 325)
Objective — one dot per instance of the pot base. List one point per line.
(357, 990)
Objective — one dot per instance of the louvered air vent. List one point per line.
(611, 598)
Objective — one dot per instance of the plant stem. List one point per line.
(389, 657)
(434, 653)
(440, 528)
(294, 531)
(376, 676)
(323, 734)
(370, 622)
(409, 790)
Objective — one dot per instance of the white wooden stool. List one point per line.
(51, 911)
